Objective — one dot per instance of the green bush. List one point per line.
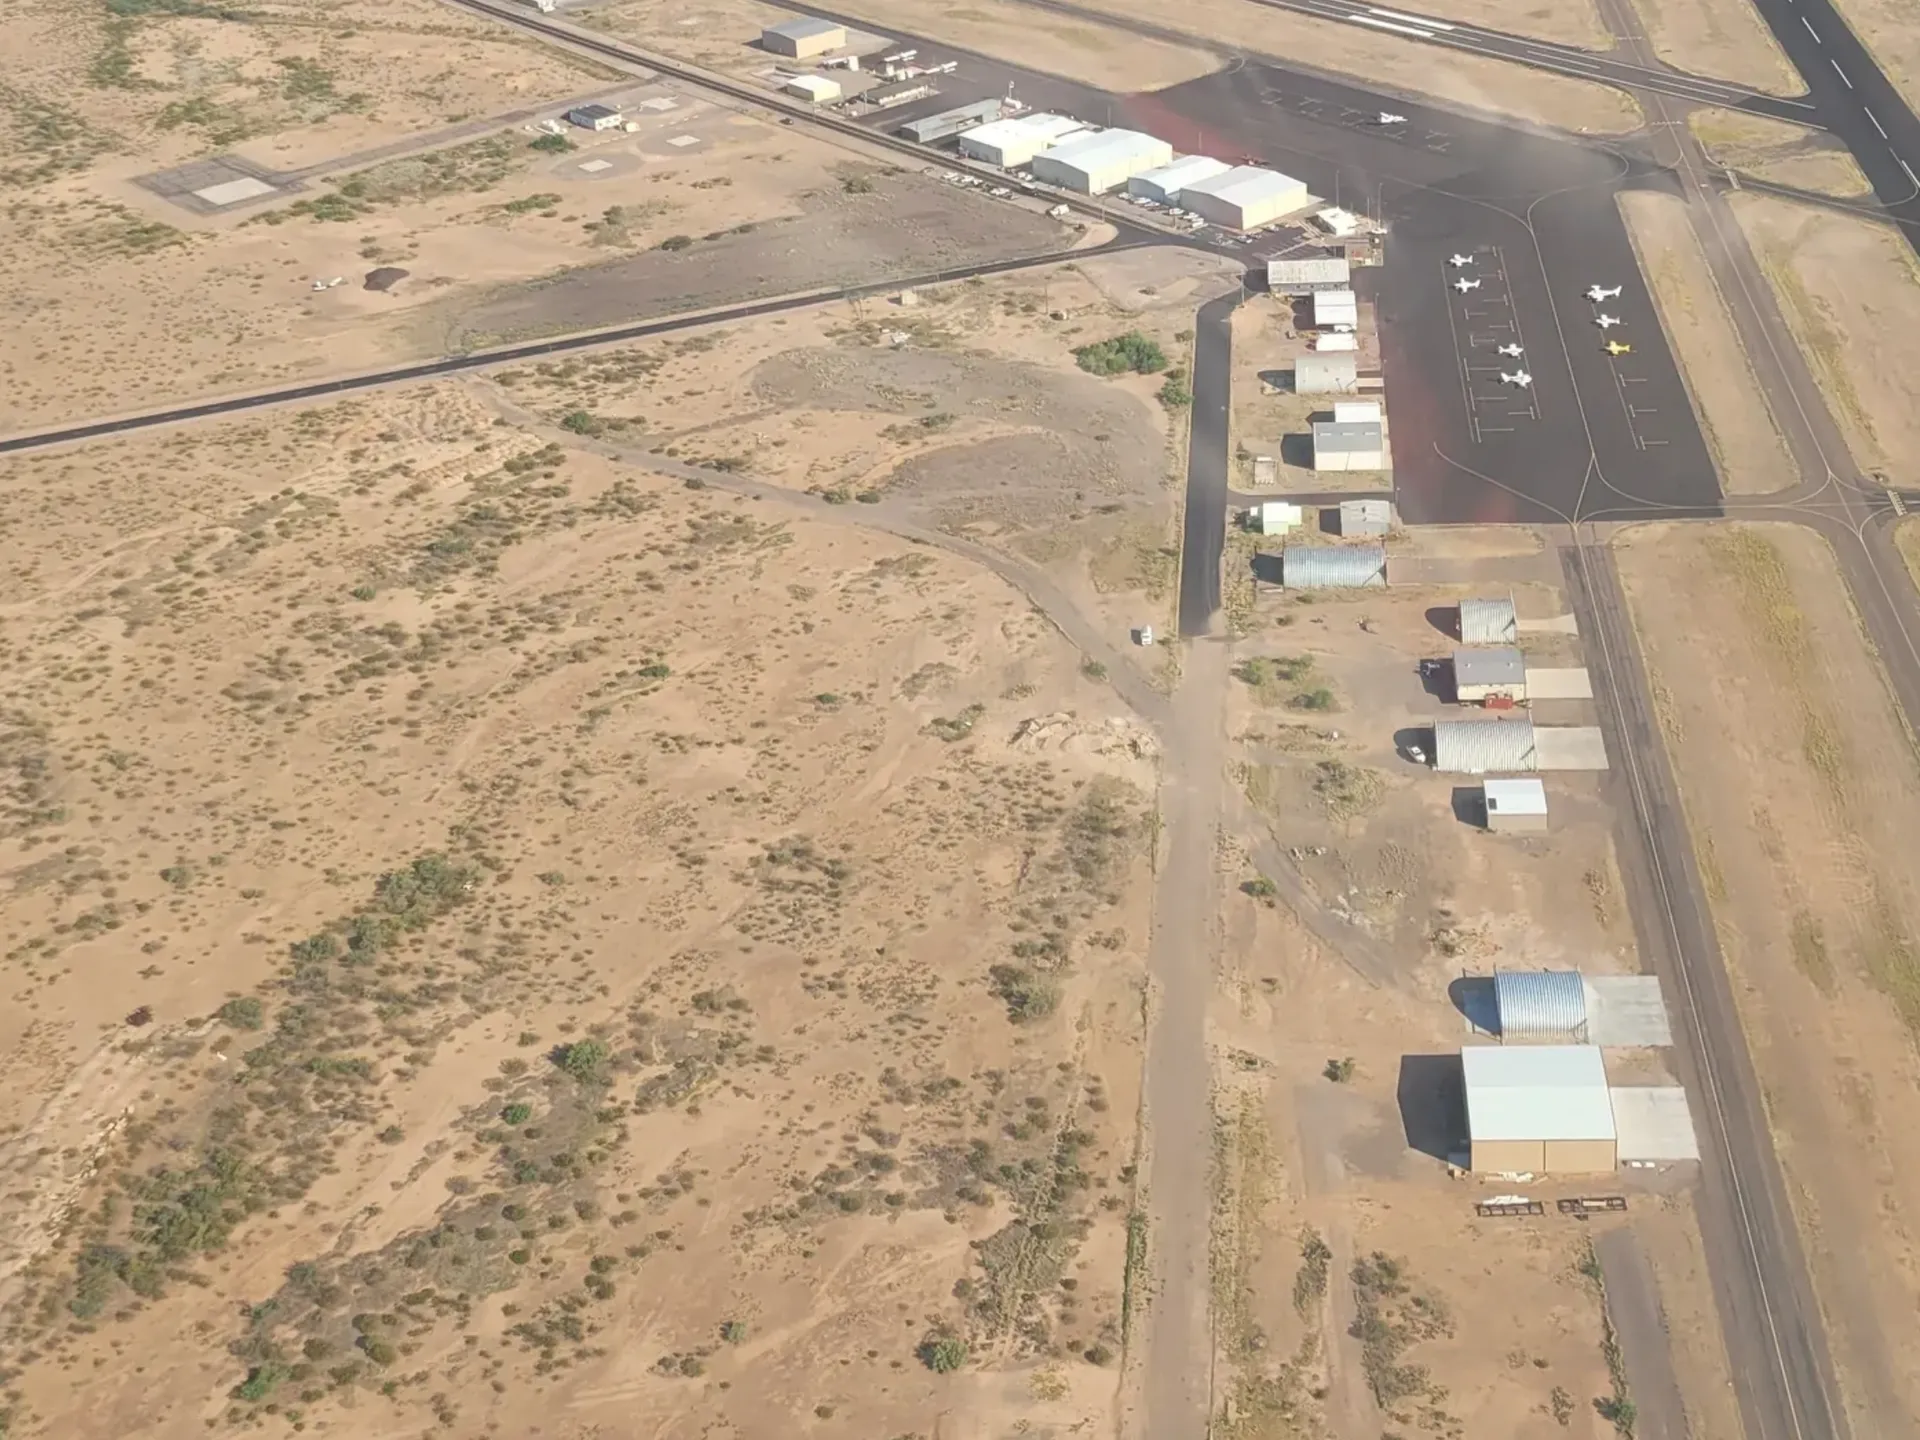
(551, 144)
(380, 1352)
(676, 242)
(1129, 352)
(1176, 393)
(244, 1013)
(734, 1332)
(517, 1113)
(585, 1060)
(942, 1354)
(583, 422)
(1027, 994)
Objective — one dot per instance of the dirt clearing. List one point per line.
(1782, 153)
(1747, 446)
(1725, 39)
(1799, 781)
(1269, 419)
(1848, 290)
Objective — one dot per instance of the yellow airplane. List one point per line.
(1614, 347)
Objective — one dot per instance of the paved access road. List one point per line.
(1203, 533)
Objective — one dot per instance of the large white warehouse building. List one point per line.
(1163, 184)
(1104, 160)
(1012, 142)
(1245, 197)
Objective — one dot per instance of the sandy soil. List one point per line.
(1269, 419)
(1725, 39)
(750, 798)
(290, 84)
(1467, 80)
(1886, 27)
(722, 34)
(1848, 289)
(1747, 446)
(1315, 1176)
(758, 208)
(1799, 781)
(1774, 150)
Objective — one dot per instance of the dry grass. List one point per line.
(1726, 39)
(1748, 449)
(1774, 150)
(1797, 772)
(1847, 289)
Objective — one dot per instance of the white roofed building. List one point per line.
(1014, 141)
(1335, 310)
(1100, 160)
(1538, 1109)
(1163, 183)
(1245, 197)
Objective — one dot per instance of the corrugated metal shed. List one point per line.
(1478, 747)
(1164, 183)
(1326, 374)
(1364, 517)
(1332, 308)
(1537, 1092)
(1500, 665)
(939, 126)
(1012, 142)
(1488, 622)
(1342, 567)
(1541, 1004)
(1304, 277)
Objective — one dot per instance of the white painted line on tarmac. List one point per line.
(1811, 31)
(1874, 121)
(1409, 19)
(1911, 178)
(1388, 25)
(1841, 73)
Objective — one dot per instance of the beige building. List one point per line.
(800, 39)
(1538, 1109)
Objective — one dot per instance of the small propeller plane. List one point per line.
(1518, 377)
(1387, 117)
(1606, 322)
(1514, 350)
(1465, 285)
(1615, 347)
(1597, 293)
(1459, 260)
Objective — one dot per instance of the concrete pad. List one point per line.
(1569, 747)
(1627, 1010)
(594, 167)
(1652, 1122)
(1549, 625)
(680, 142)
(1569, 684)
(232, 192)
(659, 102)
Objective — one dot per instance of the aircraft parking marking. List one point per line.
(1489, 321)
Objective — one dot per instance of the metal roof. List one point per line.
(1536, 1092)
(1038, 126)
(1540, 1003)
(1329, 271)
(1187, 170)
(1245, 185)
(1495, 665)
(1488, 622)
(1342, 366)
(587, 113)
(1352, 437)
(1378, 512)
(1515, 797)
(1333, 566)
(805, 29)
(1475, 747)
(1097, 154)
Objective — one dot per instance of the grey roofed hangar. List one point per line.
(1307, 567)
(1481, 747)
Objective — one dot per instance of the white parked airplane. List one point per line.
(1597, 293)
(1513, 350)
(1465, 285)
(1458, 260)
(1606, 322)
(1387, 117)
(1519, 377)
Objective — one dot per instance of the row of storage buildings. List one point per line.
(1063, 152)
